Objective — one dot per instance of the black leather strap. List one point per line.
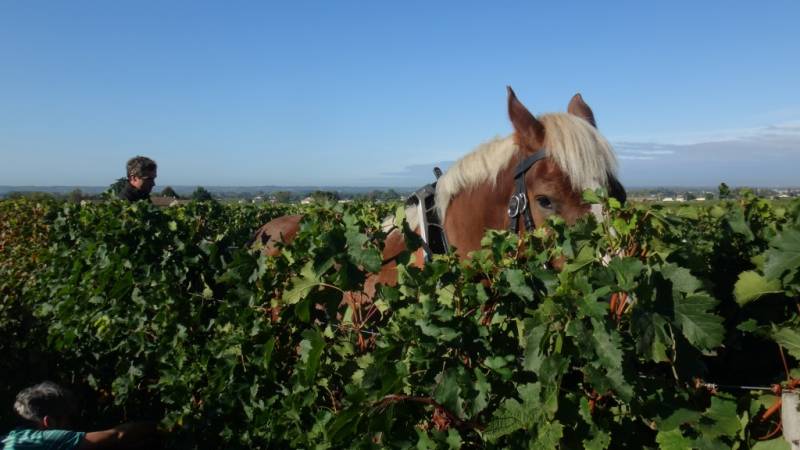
(528, 162)
(425, 197)
(519, 204)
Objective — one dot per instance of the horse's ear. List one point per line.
(577, 107)
(527, 127)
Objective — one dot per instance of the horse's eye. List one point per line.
(544, 202)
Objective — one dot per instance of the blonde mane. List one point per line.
(576, 147)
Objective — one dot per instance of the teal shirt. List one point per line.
(30, 439)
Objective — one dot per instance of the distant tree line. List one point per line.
(723, 192)
(317, 195)
(283, 196)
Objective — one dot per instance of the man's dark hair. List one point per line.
(138, 165)
(45, 399)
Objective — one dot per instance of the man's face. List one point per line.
(145, 182)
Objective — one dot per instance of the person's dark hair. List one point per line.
(138, 165)
(44, 399)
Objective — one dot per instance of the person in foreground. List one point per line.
(49, 410)
(141, 172)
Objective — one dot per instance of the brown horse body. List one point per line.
(473, 195)
(285, 228)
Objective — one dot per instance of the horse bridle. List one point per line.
(424, 200)
(519, 205)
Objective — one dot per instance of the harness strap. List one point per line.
(432, 230)
(434, 239)
(528, 162)
(519, 204)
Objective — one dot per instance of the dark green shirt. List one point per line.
(32, 439)
(132, 194)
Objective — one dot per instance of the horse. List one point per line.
(541, 169)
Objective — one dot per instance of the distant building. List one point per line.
(166, 201)
(667, 199)
(700, 199)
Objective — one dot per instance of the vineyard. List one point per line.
(166, 314)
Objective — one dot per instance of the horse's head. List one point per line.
(576, 157)
(542, 169)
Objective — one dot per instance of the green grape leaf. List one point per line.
(606, 345)
(590, 196)
(723, 417)
(678, 417)
(626, 270)
(788, 338)
(548, 435)
(702, 329)
(518, 285)
(739, 225)
(533, 348)
(779, 443)
(653, 339)
(682, 279)
(311, 348)
(673, 440)
(362, 253)
(751, 285)
(302, 285)
(453, 439)
(784, 254)
(448, 392)
(512, 415)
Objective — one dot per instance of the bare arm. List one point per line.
(127, 435)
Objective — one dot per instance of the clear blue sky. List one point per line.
(376, 93)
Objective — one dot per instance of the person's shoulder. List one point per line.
(29, 438)
(132, 194)
(125, 193)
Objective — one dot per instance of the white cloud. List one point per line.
(763, 156)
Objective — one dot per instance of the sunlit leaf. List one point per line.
(751, 285)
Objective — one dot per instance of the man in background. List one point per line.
(142, 172)
(48, 411)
